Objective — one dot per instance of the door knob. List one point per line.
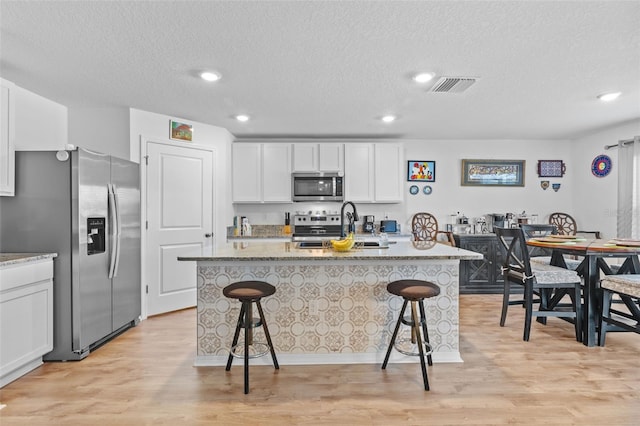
(208, 235)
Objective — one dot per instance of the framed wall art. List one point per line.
(551, 168)
(181, 131)
(493, 172)
(421, 171)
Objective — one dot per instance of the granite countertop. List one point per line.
(276, 250)
(7, 259)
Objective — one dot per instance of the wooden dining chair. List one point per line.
(537, 254)
(567, 225)
(424, 227)
(538, 280)
(627, 288)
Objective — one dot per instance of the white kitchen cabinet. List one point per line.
(7, 136)
(358, 178)
(373, 172)
(318, 157)
(261, 173)
(276, 173)
(26, 316)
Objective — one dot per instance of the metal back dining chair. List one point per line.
(541, 280)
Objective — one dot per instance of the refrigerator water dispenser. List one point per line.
(95, 235)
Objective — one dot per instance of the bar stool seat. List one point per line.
(249, 292)
(414, 291)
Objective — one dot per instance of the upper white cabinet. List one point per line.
(7, 139)
(318, 157)
(373, 172)
(261, 172)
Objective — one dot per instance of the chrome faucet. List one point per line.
(352, 218)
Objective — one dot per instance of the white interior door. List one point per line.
(180, 222)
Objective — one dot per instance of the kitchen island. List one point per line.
(329, 307)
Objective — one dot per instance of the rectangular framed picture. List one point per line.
(421, 171)
(181, 131)
(493, 172)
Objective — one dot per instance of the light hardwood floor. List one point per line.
(146, 376)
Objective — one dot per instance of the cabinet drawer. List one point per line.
(14, 276)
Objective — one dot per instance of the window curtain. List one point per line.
(629, 188)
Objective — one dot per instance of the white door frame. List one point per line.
(144, 140)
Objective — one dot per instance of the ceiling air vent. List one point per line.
(452, 84)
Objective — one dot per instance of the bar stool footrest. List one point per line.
(407, 347)
(256, 350)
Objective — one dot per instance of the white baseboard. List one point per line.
(315, 359)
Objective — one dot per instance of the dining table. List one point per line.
(594, 253)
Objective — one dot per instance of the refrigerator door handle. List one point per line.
(118, 229)
(114, 226)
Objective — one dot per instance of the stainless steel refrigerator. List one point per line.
(85, 206)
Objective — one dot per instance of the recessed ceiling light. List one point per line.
(606, 97)
(242, 117)
(423, 77)
(388, 118)
(210, 76)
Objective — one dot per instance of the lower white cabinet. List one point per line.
(26, 316)
(373, 172)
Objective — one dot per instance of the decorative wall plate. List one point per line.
(413, 189)
(427, 189)
(601, 165)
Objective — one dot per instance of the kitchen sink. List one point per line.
(318, 244)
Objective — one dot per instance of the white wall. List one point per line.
(103, 130)
(156, 127)
(40, 124)
(595, 199)
(448, 196)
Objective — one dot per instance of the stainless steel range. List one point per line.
(316, 226)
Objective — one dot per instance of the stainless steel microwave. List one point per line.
(317, 187)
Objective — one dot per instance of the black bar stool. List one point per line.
(413, 291)
(249, 292)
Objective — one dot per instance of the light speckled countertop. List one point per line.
(402, 250)
(7, 259)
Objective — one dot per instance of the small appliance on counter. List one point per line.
(369, 223)
(480, 225)
(388, 226)
(495, 220)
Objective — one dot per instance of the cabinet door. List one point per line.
(480, 276)
(305, 157)
(246, 173)
(358, 177)
(7, 130)
(330, 157)
(387, 172)
(276, 172)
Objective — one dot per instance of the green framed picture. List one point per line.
(493, 172)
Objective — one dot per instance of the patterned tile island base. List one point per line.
(326, 310)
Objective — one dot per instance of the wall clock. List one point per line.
(413, 189)
(427, 189)
(601, 165)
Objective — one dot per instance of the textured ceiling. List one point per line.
(324, 69)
